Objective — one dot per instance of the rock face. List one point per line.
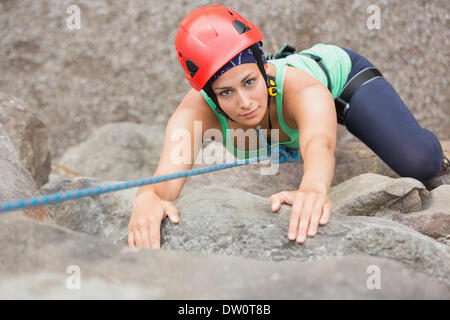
(227, 235)
(117, 151)
(28, 134)
(35, 259)
(120, 69)
(434, 220)
(105, 216)
(15, 181)
(223, 229)
(121, 64)
(375, 195)
(219, 220)
(229, 221)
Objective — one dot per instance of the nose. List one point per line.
(244, 101)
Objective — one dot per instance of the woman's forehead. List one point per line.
(235, 74)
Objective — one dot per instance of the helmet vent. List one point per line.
(192, 67)
(240, 27)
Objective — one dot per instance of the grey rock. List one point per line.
(121, 65)
(252, 177)
(220, 220)
(34, 261)
(28, 134)
(376, 195)
(352, 159)
(117, 151)
(229, 221)
(15, 181)
(105, 216)
(434, 220)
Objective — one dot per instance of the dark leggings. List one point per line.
(379, 118)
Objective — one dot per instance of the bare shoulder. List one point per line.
(295, 81)
(194, 107)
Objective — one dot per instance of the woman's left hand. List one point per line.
(309, 209)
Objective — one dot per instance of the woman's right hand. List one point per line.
(145, 223)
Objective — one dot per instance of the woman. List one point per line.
(302, 95)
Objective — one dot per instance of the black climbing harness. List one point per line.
(342, 103)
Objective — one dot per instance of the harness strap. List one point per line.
(342, 102)
(322, 66)
(358, 80)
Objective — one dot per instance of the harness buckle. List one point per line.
(342, 107)
(273, 91)
(271, 86)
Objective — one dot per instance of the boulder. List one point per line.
(37, 261)
(28, 134)
(376, 195)
(15, 181)
(214, 219)
(116, 151)
(434, 220)
(222, 220)
(121, 64)
(106, 216)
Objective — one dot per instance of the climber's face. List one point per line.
(240, 91)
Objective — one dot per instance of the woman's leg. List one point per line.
(379, 118)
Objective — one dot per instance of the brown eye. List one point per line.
(224, 95)
(250, 81)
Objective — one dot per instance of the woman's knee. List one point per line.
(422, 163)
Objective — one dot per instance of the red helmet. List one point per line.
(208, 38)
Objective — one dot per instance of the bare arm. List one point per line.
(314, 111)
(316, 118)
(178, 143)
(153, 203)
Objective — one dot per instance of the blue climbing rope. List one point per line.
(285, 155)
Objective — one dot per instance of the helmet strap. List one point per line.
(270, 83)
(208, 90)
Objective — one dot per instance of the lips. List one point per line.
(249, 113)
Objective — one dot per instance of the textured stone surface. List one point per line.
(121, 65)
(105, 216)
(229, 221)
(117, 151)
(434, 220)
(34, 258)
(376, 195)
(219, 220)
(28, 134)
(15, 181)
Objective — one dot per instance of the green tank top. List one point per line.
(338, 64)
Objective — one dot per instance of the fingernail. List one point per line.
(273, 206)
(292, 236)
(300, 239)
